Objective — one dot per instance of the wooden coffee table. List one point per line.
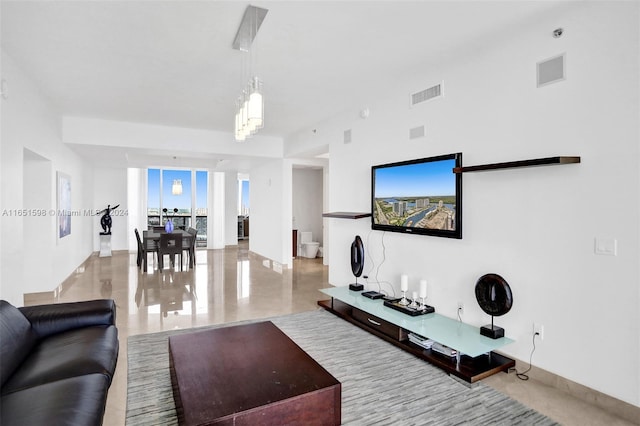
(248, 375)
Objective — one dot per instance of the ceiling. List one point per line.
(172, 62)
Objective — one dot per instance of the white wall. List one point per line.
(37, 189)
(537, 226)
(231, 209)
(137, 185)
(111, 189)
(307, 201)
(89, 131)
(270, 200)
(216, 220)
(325, 208)
(29, 122)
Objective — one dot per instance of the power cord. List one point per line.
(523, 375)
(371, 262)
(384, 256)
(376, 280)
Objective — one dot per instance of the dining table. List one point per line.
(151, 235)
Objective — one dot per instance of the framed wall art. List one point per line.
(63, 211)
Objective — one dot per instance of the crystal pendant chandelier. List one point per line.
(249, 110)
(249, 117)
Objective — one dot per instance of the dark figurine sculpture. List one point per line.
(105, 220)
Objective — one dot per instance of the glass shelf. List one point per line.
(465, 338)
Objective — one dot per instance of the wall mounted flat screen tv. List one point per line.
(421, 196)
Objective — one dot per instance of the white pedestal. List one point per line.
(105, 245)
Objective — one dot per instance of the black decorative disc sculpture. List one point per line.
(357, 262)
(494, 297)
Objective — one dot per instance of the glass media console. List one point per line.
(474, 358)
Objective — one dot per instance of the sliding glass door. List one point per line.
(179, 196)
(176, 198)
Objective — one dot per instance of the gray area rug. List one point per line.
(381, 384)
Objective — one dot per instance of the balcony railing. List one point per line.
(183, 222)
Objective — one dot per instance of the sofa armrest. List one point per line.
(59, 317)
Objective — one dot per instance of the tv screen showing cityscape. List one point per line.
(421, 196)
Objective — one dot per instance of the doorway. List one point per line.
(308, 205)
(39, 230)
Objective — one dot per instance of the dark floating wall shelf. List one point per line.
(347, 215)
(550, 161)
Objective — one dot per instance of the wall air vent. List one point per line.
(347, 136)
(416, 132)
(426, 94)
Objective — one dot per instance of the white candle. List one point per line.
(404, 282)
(415, 295)
(423, 288)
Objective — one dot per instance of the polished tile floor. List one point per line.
(233, 284)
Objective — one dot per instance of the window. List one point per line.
(201, 208)
(176, 197)
(171, 194)
(243, 198)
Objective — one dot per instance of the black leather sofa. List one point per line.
(56, 362)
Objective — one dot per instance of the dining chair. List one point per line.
(170, 244)
(144, 248)
(191, 246)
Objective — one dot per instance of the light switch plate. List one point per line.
(606, 246)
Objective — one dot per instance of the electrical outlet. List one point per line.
(460, 308)
(539, 330)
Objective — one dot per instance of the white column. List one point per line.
(137, 189)
(231, 208)
(215, 222)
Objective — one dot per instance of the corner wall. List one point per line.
(537, 226)
(111, 189)
(271, 211)
(30, 123)
(231, 209)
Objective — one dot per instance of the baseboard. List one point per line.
(40, 298)
(270, 263)
(603, 401)
(44, 297)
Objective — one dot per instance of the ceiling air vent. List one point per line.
(426, 94)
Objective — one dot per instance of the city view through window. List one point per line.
(243, 208)
(179, 196)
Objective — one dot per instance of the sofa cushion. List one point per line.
(69, 354)
(58, 317)
(16, 339)
(77, 401)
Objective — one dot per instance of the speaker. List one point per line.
(357, 262)
(494, 296)
(551, 70)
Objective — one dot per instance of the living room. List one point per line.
(542, 239)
